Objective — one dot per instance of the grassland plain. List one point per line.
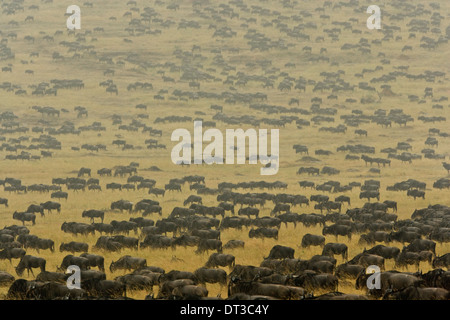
(142, 58)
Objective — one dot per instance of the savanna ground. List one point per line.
(156, 50)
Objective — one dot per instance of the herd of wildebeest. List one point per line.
(346, 213)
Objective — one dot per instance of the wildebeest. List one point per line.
(236, 285)
(442, 261)
(29, 262)
(167, 286)
(416, 193)
(281, 252)
(205, 275)
(417, 293)
(12, 253)
(35, 208)
(348, 270)
(384, 251)
(220, 260)
(122, 205)
(135, 282)
(263, 233)
(233, 244)
(92, 213)
(6, 279)
(193, 199)
(70, 259)
(77, 228)
(105, 288)
(4, 201)
(312, 281)
(59, 195)
(51, 205)
(418, 245)
(337, 230)
(330, 249)
(74, 246)
(249, 211)
(128, 263)
(24, 216)
(95, 260)
(209, 244)
(84, 171)
(312, 240)
(369, 194)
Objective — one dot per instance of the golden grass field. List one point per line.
(159, 49)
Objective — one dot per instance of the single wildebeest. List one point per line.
(12, 253)
(227, 206)
(189, 292)
(330, 249)
(6, 279)
(126, 242)
(337, 230)
(391, 204)
(105, 288)
(122, 205)
(24, 216)
(277, 291)
(365, 259)
(280, 207)
(312, 240)
(342, 199)
(206, 234)
(348, 271)
(209, 244)
(263, 233)
(74, 246)
(128, 263)
(152, 209)
(51, 205)
(135, 282)
(185, 241)
(4, 201)
(77, 228)
(220, 260)
(124, 226)
(92, 213)
(35, 208)
(369, 194)
(205, 275)
(384, 251)
(69, 260)
(415, 193)
(281, 252)
(193, 199)
(249, 272)
(29, 262)
(84, 171)
(53, 291)
(313, 281)
(233, 244)
(406, 258)
(52, 276)
(417, 293)
(442, 261)
(177, 275)
(95, 260)
(403, 236)
(418, 245)
(249, 211)
(166, 287)
(59, 195)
